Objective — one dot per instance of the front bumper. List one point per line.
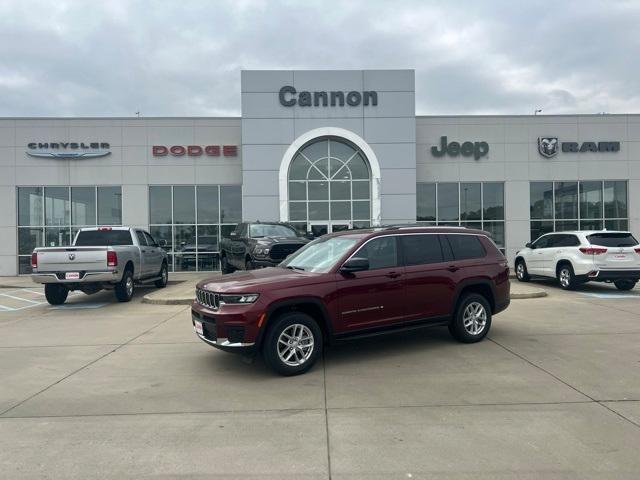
(231, 332)
(109, 276)
(611, 275)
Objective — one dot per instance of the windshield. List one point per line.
(320, 255)
(612, 239)
(103, 238)
(265, 230)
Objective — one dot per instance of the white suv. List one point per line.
(578, 257)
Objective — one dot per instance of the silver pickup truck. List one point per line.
(113, 258)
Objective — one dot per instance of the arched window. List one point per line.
(329, 187)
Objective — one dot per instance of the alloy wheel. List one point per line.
(520, 270)
(295, 345)
(129, 286)
(565, 277)
(474, 318)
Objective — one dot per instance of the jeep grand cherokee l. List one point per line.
(355, 283)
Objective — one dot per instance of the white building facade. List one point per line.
(323, 150)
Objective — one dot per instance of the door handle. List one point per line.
(453, 268)
(393, 274)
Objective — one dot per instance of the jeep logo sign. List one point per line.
(289, 97)
(466, 149)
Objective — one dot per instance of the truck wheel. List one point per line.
(293, 344)
(224, 265)
(248, 264)
(164, 276)
(625, 284)
(124, 289)
(472, 319)
(55, 294)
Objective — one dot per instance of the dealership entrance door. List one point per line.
(321, 228)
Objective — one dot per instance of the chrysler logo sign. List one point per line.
(550, 146)
(68, 149)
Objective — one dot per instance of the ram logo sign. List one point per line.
(550, 146)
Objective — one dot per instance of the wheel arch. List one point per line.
(482, 287)
(561, 262)
(312, 306)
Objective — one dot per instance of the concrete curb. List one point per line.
(523, 295)
(167, 301)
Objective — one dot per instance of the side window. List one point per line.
(554, 240)
(381, 253)
(542, 242)
(141, 239)
(466, 247)
(566, 241)
(421, 249)
(150, 241)
(242, 230)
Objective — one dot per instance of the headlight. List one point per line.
(262, 251)
(235, 299)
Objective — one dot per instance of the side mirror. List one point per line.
(162, 242)
(528, 245)
(309, 236)
(355, 264)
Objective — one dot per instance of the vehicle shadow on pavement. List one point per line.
(589, 287)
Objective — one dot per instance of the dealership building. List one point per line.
(323, 150)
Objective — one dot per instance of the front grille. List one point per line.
(208, 299)
(280, 251)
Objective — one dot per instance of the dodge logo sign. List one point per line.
(548, 146)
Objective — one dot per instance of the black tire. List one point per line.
(474, 310)
(566, 277)
(125, 288)
(522, 273)
(55, 294)
(224, 265)
(625, 284)
(248, 265)
(164, 276)
(275, 354)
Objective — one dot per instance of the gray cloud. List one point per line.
(184, 58)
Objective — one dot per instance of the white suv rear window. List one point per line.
(612, 239)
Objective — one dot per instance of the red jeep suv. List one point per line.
(352, 284)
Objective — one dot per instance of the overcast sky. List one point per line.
(183, 58)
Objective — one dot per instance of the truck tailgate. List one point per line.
(72, 259)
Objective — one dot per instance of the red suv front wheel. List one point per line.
(292, 344)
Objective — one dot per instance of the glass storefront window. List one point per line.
(30, 208)
(83, 205)
(470, 201)
(587, 205)
(541, 206)
(109, 206)
(51, 216)
(477, 205)
(192, 219)
(56, 206)
(448, 202)
(160, 205)
(327, 180)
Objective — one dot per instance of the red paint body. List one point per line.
(353, 303)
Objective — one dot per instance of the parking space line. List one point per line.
(18, 298)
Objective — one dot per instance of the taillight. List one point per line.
(593, 250)
(637, 250)
(104, 229)
(34, 260)
(112, 258)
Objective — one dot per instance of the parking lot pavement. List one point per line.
(126, 390)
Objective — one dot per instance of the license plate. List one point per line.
(72, 276)
(620, 257)
(198, 327)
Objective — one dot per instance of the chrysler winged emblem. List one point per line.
(72, 256)
(548, 146)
